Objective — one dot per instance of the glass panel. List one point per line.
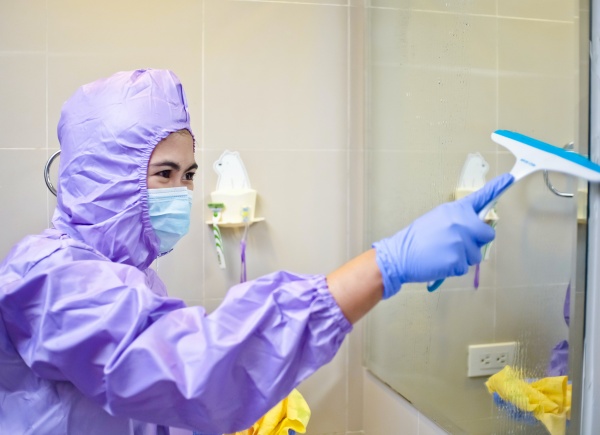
(442, 76)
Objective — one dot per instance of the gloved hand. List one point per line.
(442, 243)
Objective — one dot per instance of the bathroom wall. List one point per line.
(270, 79)
(441, 77)
(281, 82)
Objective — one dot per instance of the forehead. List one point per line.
(175, 147)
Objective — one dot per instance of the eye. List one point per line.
(189, 176)
(165, 174)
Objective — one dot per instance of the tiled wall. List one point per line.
(270, 79)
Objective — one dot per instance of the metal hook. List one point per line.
(568, 147)
(47, 172)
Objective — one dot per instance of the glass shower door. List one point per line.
(441, 77)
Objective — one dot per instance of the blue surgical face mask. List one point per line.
(169, 210)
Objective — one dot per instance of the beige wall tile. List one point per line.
(545, 48)
(315, 2)
(428, 110)
(23, 26)
(475, 7)
(433, 40)
(427, 90)
(124, 27)
(277, 78)
(24, 194)
(23, 95)
(542, 107)
(357, 56)
(87, 42)
(462, 42)
(539, 9)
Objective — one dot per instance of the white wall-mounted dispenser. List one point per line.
(234, 192)
(232, 204)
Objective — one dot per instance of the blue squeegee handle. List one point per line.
(433, 286)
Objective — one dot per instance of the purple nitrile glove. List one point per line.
(442, 243)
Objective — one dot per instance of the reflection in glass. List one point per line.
(441, 77)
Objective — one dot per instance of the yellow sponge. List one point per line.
(547, 399)
(292, 413)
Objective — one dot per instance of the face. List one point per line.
(172, 162)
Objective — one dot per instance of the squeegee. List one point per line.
(533, 155)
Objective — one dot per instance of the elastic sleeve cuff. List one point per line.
(390, 287)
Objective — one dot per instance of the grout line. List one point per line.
(293, 3)
(21, 52)
(349, 103)
(19, 149)
(202, 141)
(496, 15)
(495, 265)
(47, 126)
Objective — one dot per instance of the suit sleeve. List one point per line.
(97, 325)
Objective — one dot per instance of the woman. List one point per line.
(91, 343)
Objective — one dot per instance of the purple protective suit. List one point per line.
(90, 343)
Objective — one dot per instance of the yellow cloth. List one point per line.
(548, 399)
(291, 413)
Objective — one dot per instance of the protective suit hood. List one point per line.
(107, 132)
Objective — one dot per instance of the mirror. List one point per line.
(441, 77)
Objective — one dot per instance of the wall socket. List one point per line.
(487, 359)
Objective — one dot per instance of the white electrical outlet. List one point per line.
(487, 359)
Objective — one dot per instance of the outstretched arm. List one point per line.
(439, 244)
(357, 286)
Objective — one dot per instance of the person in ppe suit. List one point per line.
(90, 342)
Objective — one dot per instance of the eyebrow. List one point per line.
(174, 165)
